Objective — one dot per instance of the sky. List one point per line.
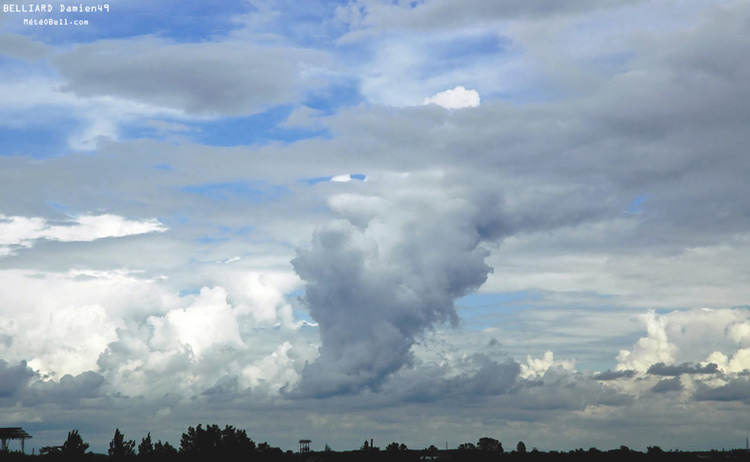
(416, 221)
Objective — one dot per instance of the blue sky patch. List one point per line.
(635, 206)
(257, 129)
(337, 95)
(325, 179)
(38, 141)
(188, 292)
(318, 179)
(163, 167)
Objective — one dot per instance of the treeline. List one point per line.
(491, 450)
(198, 443)
(212, 443)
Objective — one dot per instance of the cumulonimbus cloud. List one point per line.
(374, 286)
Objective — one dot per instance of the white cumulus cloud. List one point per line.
(208, 321)
(537, 367)
(341, 178)
(458, 98)
(679, 336)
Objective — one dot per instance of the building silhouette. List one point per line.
(13, 433)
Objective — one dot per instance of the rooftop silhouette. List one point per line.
(13, 433)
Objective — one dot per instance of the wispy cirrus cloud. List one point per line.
(17, 232)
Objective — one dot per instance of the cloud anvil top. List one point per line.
(330, 219)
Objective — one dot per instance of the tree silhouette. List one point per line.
(236, 441)
(74, 445)
(267, 452)
(654, 451)
(212, 441)
(521, 447)
(467, 447)
(146, 448)
(119, 448)
(487, 444)
(164, 450)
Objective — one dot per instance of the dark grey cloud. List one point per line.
(737, 389)
(373, 291)
(673, 384)
(484, 378)
(446, 14)
(510, 8)
(226, 389)
(445, 11)
(614, 375)
(684, 368)
(197, 78)
(20, 383)
(560, 389)
(21, 47)
(14, 379)
(492, 378)
(69, 390)
(668, 130)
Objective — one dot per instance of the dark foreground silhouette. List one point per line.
(212, 443)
